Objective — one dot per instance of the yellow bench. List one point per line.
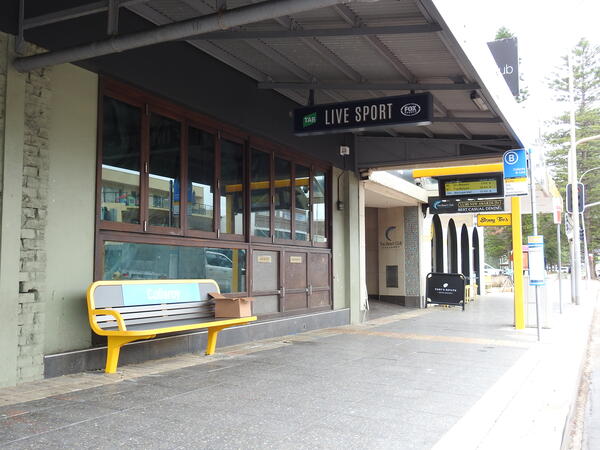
(129, 310)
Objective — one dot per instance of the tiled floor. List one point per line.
(400, 380)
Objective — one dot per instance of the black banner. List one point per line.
(413, 109)
(445, 289)
(506, 55)
(455, 206)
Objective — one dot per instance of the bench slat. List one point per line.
(162, 325)
(156, 313)
(159, 322)
(122, 309)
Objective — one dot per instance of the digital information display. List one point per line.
(471, 187)
(489, 185)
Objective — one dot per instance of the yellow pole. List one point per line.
(518, 262)
(235, 282)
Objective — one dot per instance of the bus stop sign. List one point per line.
(515, 173)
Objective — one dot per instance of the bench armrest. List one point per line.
(115, 314)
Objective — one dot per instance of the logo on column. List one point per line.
(389, 241)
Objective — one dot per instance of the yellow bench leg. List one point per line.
(211, 343)
(114, 348)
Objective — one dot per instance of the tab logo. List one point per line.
(309, 119)
(410, 109)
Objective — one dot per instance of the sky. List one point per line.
(545, 29)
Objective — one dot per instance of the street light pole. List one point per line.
(576, 262)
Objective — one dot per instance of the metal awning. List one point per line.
(349, 51)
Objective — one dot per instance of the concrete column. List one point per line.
(353, 286)
(346, 243)
(364, 295)
(11, 163)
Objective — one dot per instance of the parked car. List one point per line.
(491, 271)
(219, 268)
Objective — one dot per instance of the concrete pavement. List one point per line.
(416, 379)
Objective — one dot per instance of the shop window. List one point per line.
(180, 161)
(120, 182)
(302, 203)
(283, 199)
(135, 261)
(232, 187)
(319, 207)
(201, 175)
(164, 181)
(260, 194)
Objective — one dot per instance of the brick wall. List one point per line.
(29, 328)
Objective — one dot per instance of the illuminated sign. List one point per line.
(472, 186)
(410, 109)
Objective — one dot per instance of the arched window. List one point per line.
(437, 242)
(452, 248)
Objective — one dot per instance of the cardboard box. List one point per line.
(232, 307)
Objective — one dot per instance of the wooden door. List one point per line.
(319, 280)
(294, 291)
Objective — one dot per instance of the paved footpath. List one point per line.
(405, 379)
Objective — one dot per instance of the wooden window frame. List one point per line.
(251, 236)
(215, 134)
(148, 104)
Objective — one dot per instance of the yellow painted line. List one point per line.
(427, 337)
(396, 317)
(457, 170)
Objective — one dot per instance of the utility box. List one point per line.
(232, 307)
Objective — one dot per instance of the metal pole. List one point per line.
(559, 268)
(517, 241)
(572, 278)
(576, 263)
(221, 20)
(535, 232)
(585, 251)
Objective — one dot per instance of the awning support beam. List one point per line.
(221, 20)
(382, 86)
(322, 32)
(74, 13)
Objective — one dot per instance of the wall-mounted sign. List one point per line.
(506, 55)
(413, 109)
(296, 259)
(537, 272)
(471, 186)
(515, 173)
(456, 206)
(494, 220)
(265, 259)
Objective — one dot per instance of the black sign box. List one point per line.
(455, 206)
(414, 109)
(445, 289)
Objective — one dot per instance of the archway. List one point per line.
(437, 245)
(452, 250)
(465, 261)
(476, 268)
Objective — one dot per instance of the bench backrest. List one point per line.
(151, 301)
